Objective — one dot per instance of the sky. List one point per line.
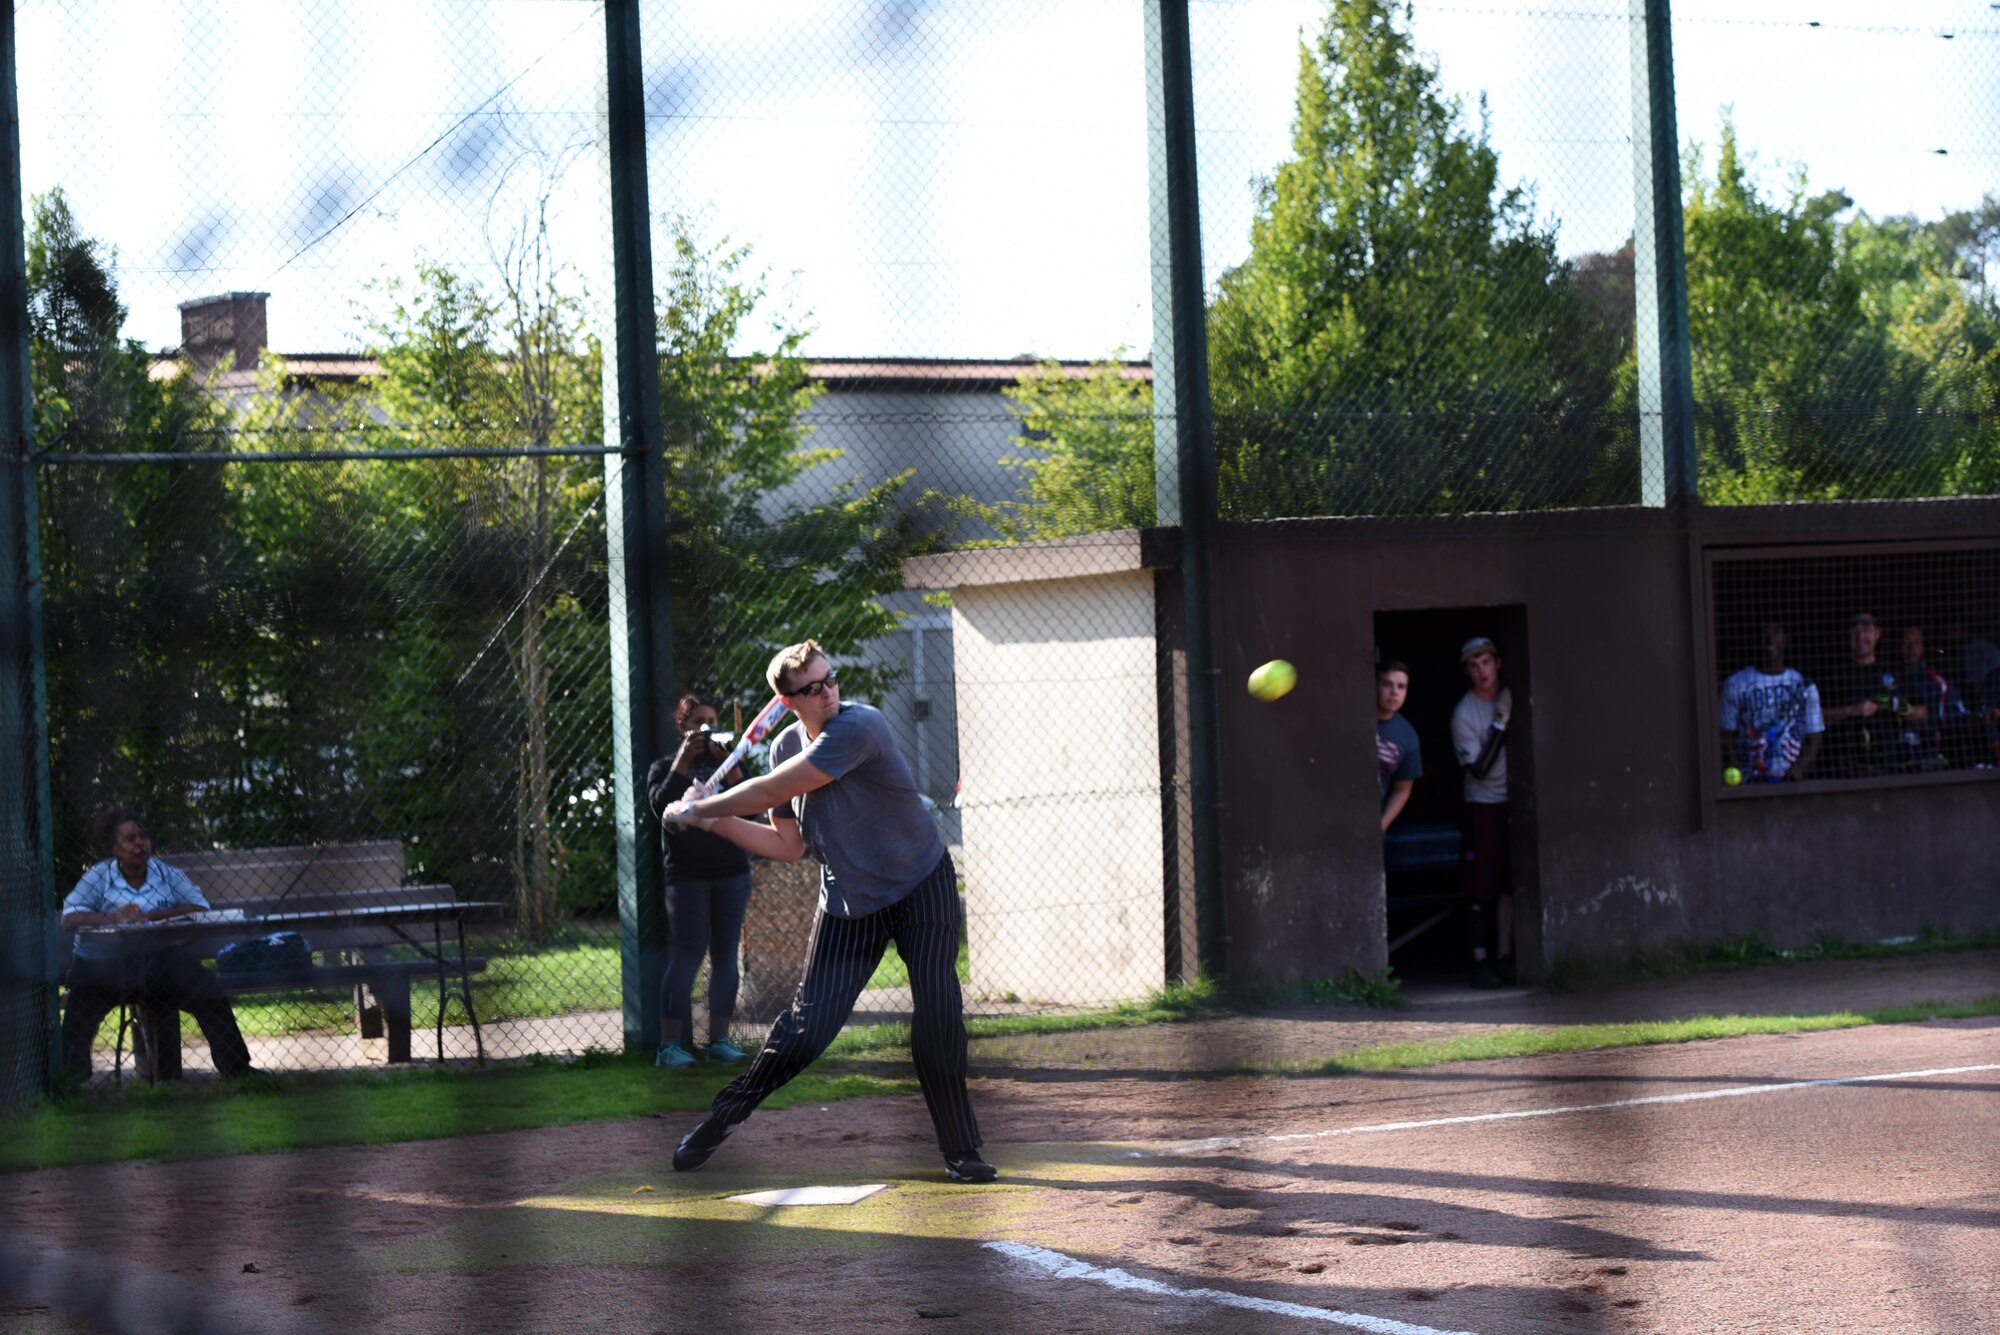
(946, 178)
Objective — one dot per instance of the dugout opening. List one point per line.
(1424, 888)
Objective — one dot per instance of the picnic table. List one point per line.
(347, 901)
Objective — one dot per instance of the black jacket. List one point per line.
(688, 852)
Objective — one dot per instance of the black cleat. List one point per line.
(969, 1167)
(1483, 976)
(697, 1145)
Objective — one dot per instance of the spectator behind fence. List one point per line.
(1989, 691)
(1978, 659)
(1479, 738)
(1934, 705)
(1771, 721)
(1865, 716)
(109, 970)
(1399, 756)
(708, 893)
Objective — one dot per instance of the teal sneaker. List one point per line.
(674, 1057)
(727, 1053)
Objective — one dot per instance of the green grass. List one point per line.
(277, 1113)
(1590, 1037)
(274, 1113)
(1175, 1002)
(1352, 988)
(1743, 952)
(517, 985)
(892, 972)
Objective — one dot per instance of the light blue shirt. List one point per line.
(104, 889)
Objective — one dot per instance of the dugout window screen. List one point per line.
(1854, 664)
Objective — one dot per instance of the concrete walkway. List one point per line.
(555, 1035)
(1430, 1011)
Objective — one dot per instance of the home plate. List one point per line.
(810, 1195)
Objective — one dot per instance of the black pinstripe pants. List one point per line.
(839, 961)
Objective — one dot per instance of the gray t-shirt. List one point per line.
(867, 829)
(1469, 723)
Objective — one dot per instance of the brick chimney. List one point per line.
(231, 325)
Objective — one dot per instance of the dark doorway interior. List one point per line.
(1427, 929)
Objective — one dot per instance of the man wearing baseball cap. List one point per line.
(1479, 738)
(1863, 710)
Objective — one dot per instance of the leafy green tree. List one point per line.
(516, 536)
(1833, 356)
(431, 662)
(1403, 337)
(138, 627)
(1086, 460)
(761, 555)
(1926, 283)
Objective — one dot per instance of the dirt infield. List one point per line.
(1296, 1203)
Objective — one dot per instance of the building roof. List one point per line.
(838, 374)
(933, 373)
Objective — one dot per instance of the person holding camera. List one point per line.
(708, 894)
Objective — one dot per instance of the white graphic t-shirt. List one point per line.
(1771, 715)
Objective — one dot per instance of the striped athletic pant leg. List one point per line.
(924, 925)
(840, 959)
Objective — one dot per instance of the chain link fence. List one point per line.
(1842, 234)
(319, 302)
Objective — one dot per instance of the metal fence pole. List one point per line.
(27, 872)
(642, 662)
(1666, 376)
(1183, 425)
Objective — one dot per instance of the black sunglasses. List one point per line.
(811, 689)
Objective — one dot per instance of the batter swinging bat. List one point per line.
(767, 719)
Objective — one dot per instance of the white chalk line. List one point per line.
(1695, 1096)
(1059, 1266)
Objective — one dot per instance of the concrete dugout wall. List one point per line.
(1071, 743)
(1626, 841)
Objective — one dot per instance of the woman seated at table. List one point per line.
(112, 968)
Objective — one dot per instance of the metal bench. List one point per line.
(1415, 852)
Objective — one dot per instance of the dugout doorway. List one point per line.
(1423, 882)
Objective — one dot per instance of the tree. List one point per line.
(1402, 337)
(429, 635)
(1833, 356)
(762, 553)
(138, 630)
(1086, 458)
(465, 368)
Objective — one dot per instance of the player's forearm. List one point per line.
(746, 799)
(1496, 738)
(765, 841)
(1398, 799)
